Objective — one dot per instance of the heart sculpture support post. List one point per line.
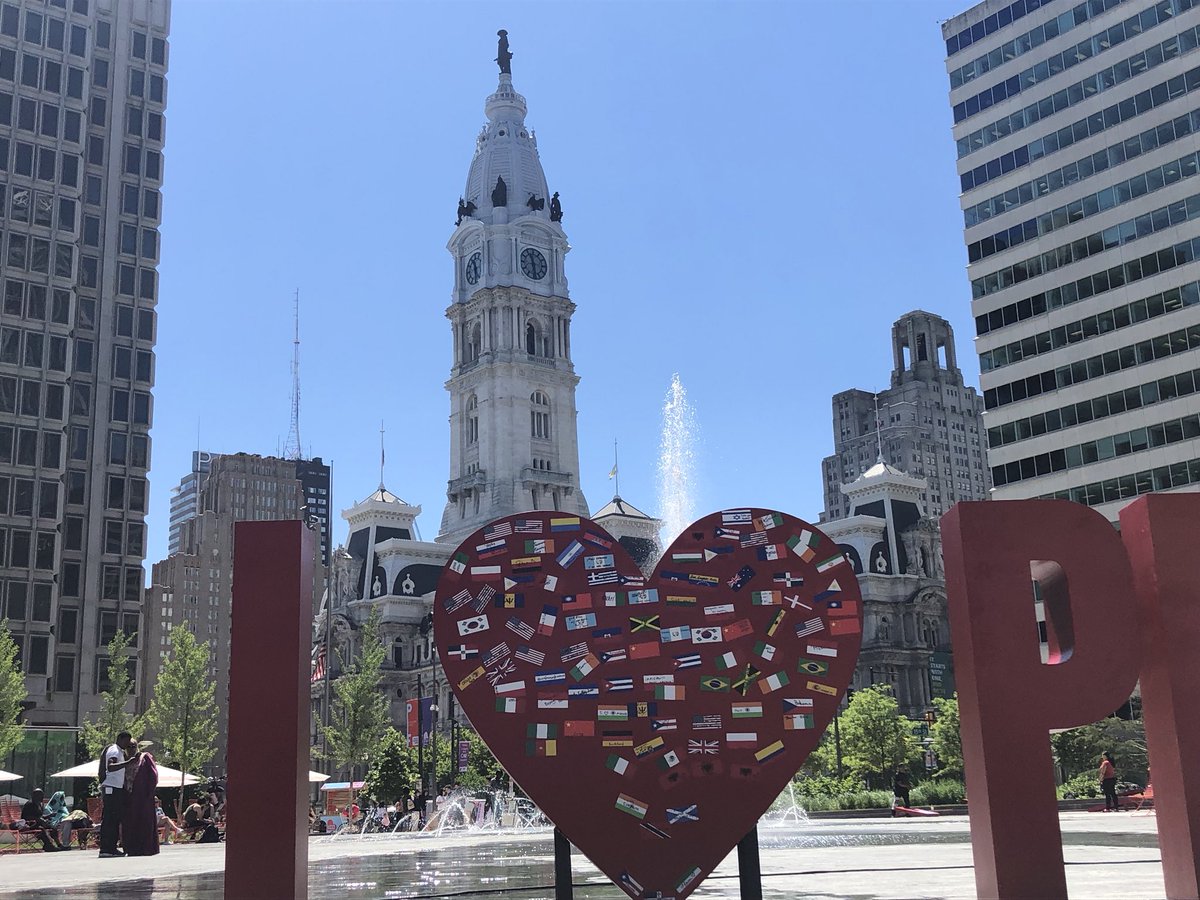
(997, 554)
(652, 718)
(271, 639)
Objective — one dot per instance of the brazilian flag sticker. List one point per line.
(714, 683)
(812, 667)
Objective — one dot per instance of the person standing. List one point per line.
(139, 826)
(1108, 783)
(901, 785)
(113, 763)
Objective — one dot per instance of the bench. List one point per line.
(10, 814)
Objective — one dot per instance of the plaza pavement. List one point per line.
(1108, 856)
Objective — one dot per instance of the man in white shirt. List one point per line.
(112, 786)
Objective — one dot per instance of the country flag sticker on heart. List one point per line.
(655, 718)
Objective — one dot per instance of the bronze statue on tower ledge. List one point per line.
(503, 57)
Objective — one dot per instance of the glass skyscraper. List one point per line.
(1076, 130)
(82, 94)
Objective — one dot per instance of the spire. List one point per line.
(878, 432)
(382, 455)
(615, 473)
(292, 447)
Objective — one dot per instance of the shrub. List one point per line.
(938, 791)
(1083, 785)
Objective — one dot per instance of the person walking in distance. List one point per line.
(1108, 783)
(113, 764)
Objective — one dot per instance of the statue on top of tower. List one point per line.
(500, 193)
(555, 208)
(503, 56)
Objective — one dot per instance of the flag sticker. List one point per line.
(765, 650)
(617, 764)
(747, 710)
(529, 526)
(565, 523)
(569, 554)
(458, 565)
(773, 682)
(804, 545)
(637, 598)
(676, 633)
(735, 517)
(702, 747)
(766, 598)
(812, 667)
(539, 730)
(627, 804)
(821, 650)
(470, 678)
(692, 556)
(547, 620)
(517, 626)
(577, 602)
(769, 752)
(727, 660)
(810, 626)
(458, 601)
(539, 546)
(775, 622)
(826, 689)
(612, 713)
(577, 728)
(830, 563)
(582, 620)
(798, 722)
(600, 561)
(473, 625)
(507, 705)
(687, 661)
(668, 692)
(650, 746)
(844, 626)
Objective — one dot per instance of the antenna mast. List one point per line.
(292, 449)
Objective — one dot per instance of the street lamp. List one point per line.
(433, 709)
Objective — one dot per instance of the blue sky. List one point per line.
(753, 192)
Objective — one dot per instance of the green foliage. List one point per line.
(947, 740)
(392, 773)
(826, 786)
(360, 710)
(1078, 750)
(875, 737)
(12, 692)
(938, 792)
(823, 760)
(183, 713)
(113, 717)
(1082, 786)
(859, 799)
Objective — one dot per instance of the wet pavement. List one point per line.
(1107, 857)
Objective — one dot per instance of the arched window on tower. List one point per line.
(929, 633)
(475, 345)
(472, 420)
(539, 415)
(531, 339)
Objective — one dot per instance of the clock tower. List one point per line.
(513, 440)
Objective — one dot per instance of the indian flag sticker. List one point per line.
(635, 808)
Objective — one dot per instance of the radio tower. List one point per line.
(291, 449)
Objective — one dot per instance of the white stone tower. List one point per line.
(513, 441)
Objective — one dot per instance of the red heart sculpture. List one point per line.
(653, 719)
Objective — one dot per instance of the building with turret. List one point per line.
(513, 439)
(928, 422)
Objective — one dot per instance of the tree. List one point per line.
(183, 713)
(392, 773)
(12, 692)
(875, 737)
(947, 741)
(113, 717)
(360, 709)
(1078, 750)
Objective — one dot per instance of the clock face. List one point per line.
(533, 264)
(474, 267)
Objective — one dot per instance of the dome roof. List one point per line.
(506, 149)
(619, 507)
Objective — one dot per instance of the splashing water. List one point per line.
(676, 463)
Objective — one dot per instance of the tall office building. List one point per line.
(185, 498)
(194, 586)
(82, 93)
(1076, 129)
(513, 439)
(928, 423)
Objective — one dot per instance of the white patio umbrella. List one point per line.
(313, 777)
(167, 777)
(9, 776)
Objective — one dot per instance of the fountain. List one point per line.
(676, 462)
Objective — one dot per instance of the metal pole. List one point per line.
(837, 745)
(421, 739)
(749, 867)
(562, 867)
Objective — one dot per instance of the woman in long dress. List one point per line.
(139, 830)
